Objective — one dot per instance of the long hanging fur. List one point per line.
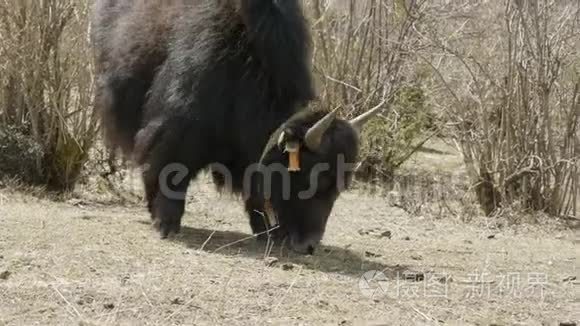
(264, 42)
(199, 82)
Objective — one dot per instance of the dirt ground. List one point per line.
(85, 262)
(88, 263)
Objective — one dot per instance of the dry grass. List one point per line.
(92, 264)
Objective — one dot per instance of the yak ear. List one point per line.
(359, 122)
(314, 135)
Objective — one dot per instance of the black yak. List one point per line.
(197, 83)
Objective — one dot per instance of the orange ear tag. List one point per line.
(293, 150)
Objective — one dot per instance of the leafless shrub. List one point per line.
(511, 83)
(46, 83)
(363, 51)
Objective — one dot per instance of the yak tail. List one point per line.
(279, 37)
(119, 101)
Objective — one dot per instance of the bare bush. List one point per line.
(363, 55)
(19, 155)
(511, 79)
(46, 83)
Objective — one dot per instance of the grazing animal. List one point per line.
(186, 85)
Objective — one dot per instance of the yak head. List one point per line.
(308, 161)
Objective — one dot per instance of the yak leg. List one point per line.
(260, 221)
(165, 191)
(254, 203)
(170, 163)
(151, 185)
(233, 179)
(258, 218)
(169, 203)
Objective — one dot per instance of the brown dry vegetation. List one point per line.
(94, 263)
(472, 168)
(46, 88)
(499, 79)
(502, 78)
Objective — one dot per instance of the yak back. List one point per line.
(219, 85)
(233, 69)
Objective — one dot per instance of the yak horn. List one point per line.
(359, 122)
(313, 137)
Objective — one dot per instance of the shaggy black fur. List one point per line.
(197, 82)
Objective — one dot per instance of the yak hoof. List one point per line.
(166, 228)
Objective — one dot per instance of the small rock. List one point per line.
(363, 232)
(491, 236)
(372, 254)
(567, 323)
(377, 233)
(109, 306)
(287, 267)
(125, 279)
(386, 234)
(85, 299)
(270, 261)
(569, 279)
(177, 301)
(5, 275)
(407, 238)
(76, 202)
(416, 257)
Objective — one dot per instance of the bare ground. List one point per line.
(89, 263)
